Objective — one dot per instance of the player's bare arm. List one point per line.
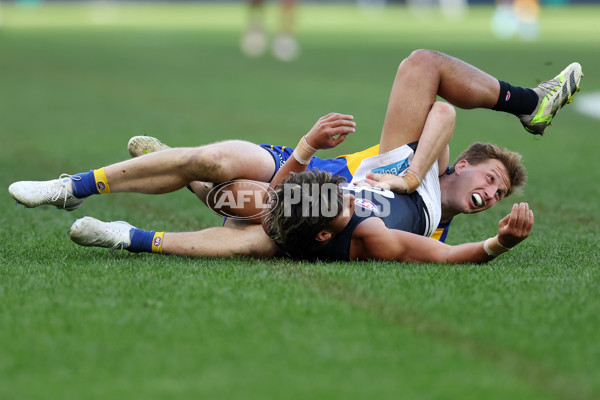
(372, 240)
(329, 131)
(433, 145)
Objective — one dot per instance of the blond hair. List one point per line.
(481, 152)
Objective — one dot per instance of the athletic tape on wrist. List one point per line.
(304, 152)
(494, 248)
(300, 159)
(412, 181)
(308, 145)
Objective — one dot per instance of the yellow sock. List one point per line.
(157, 242)
(101, 182)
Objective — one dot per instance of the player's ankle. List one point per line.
(88, 183)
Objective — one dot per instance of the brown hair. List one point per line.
(288, 225)
(481, 152)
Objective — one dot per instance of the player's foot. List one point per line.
(88, 231)
(57, 192)
(140, 145)
(285, 47)
(254, 41)
(553, 95)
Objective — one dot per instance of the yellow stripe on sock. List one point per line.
(157, 242)
(101, 182)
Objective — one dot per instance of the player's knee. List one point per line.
(204, 163)
(419, 59)
(445, 111)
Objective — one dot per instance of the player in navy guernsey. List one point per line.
(399, 212)
(479, 178)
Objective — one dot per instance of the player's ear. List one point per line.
(462, 164)
(323, 236)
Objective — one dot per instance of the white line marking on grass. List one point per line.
(589, 104)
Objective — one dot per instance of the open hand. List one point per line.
(330, 130)
(516, 226)
(387, 181)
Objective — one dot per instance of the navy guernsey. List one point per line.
(402, 212)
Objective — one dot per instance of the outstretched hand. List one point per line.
(330, 130)
(516, 226)
(387, 181)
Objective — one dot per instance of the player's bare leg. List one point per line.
(413, 115)
(241, 239)
(161, 172)
(142, 145)
(285, 47)
(421, 77)
(169, 170)
(237, 239)
(425, 74)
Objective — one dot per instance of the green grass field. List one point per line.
(78, 323)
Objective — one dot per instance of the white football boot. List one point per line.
(254, 40)
(553, 95)
(140, 145)
(285, 47)
(88, 231)
(57, 192)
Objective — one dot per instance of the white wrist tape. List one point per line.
(493, 247)
(412, 181)
(303, 152)
(300, 159)
(308, 145)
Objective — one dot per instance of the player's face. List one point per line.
(481, 185)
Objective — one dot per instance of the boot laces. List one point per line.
(63, 188)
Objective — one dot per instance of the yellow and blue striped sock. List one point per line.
(143, 241)
(88, 183)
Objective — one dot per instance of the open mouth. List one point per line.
(477, 200)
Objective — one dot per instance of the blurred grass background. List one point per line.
(77, 80)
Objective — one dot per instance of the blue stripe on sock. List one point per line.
(84, 184)
(141, 241)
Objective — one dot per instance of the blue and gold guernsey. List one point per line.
(441, 233)
(346, 166)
